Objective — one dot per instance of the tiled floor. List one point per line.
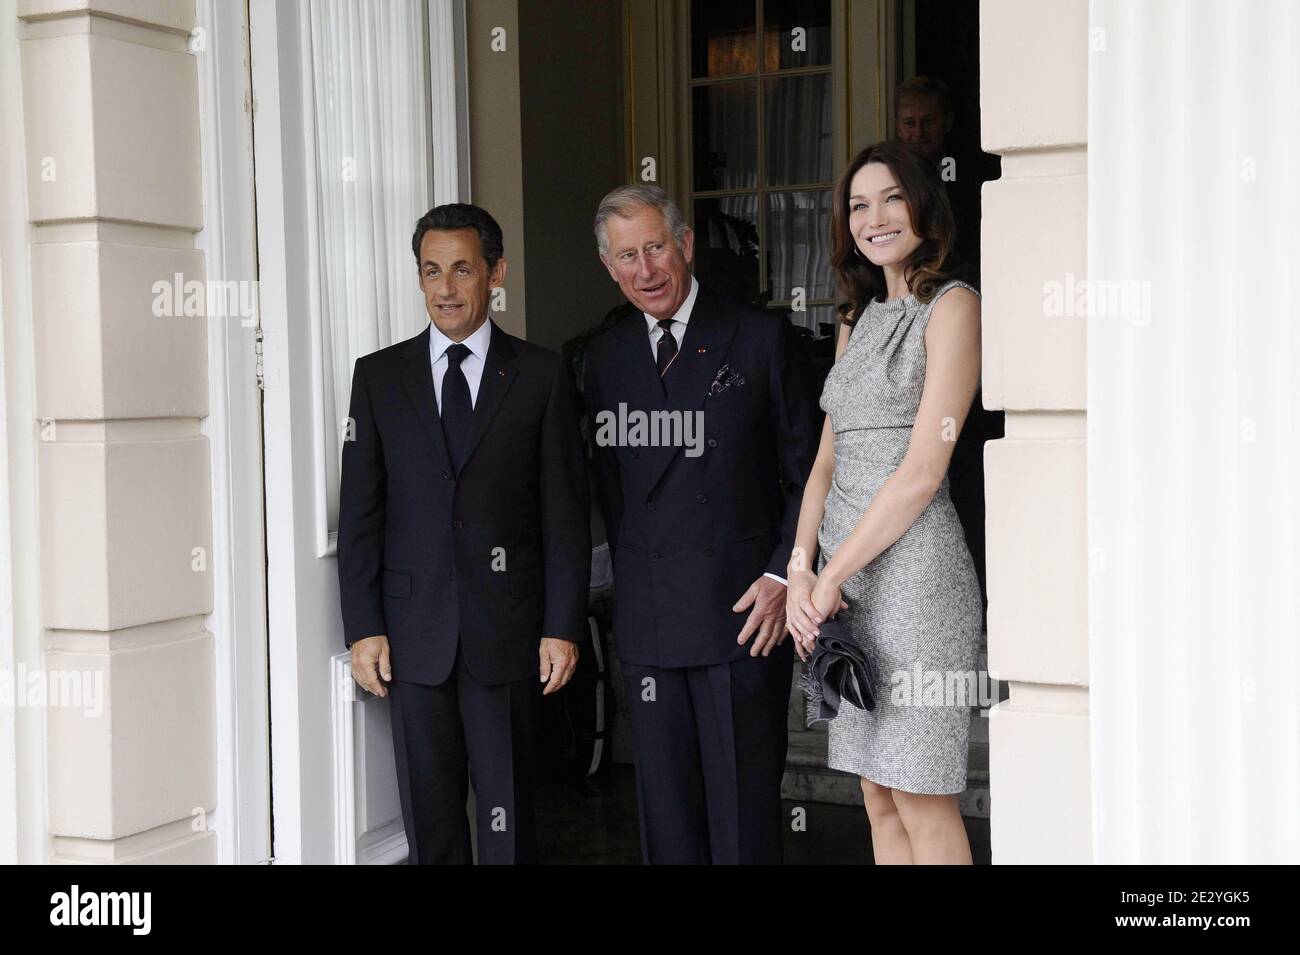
(596, 823)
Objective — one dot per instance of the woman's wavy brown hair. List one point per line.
(928, 267)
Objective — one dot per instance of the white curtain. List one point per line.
(1194, 430)
(371, 113)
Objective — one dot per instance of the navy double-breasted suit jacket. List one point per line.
(689, 533)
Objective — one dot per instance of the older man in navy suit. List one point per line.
(705, 427)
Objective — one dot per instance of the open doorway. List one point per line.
(940, 57)
(749, 142)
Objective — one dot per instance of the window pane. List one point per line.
(798, 245)
(726, 244)
(783, 47)
(723, 37)
(726, 136)
(797, 125)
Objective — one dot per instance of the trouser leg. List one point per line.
(429, 748)
(740, 709)
(500, 733)
(670, 790)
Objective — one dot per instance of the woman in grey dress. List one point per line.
(891, 559)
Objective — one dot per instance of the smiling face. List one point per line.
(651, 268)
(921, 123)
(879, 219)
(456, 281)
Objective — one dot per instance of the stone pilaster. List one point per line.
(1033, 103)
(114, 180)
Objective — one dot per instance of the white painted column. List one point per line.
(113, 176)
(1033, 109)
(1194, 431)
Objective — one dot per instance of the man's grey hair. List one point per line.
(624, 201)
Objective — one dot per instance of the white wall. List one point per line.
(23, 830)
(1194, 431)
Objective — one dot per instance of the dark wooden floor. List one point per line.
(596, 823)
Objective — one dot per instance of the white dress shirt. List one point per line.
(471, 365)
(680, 318)
(678, 329)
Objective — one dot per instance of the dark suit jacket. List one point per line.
(690, 534)
(498, 555)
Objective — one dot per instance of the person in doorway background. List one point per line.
(923, 115)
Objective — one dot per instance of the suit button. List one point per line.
(446, 475)
(458, 524)
(702, 498)
(713, 442)
(451, 575)
(636, 453)
(655, 555)
(708, 552)
(649, 505)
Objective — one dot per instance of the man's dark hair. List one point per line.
(461, 215)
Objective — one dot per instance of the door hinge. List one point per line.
(258, 369)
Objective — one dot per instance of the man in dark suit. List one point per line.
(705, 428)
(464, 546)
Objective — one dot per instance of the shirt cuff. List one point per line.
(780, 580)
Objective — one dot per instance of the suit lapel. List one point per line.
(498, 374)
(417, 379)
(638, 362)
(704, 348)
(685, 386)
(646, 392)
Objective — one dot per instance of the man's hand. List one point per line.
(370, 664)
(558, 658)
(767, 619)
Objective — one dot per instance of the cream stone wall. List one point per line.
(1033, 104)
(114, 198)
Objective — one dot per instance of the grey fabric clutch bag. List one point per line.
(838, 670)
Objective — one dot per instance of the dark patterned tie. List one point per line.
(666, 350)
(457, 408)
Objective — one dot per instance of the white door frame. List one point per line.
(309, 829)
(272, 24)
(242, 819)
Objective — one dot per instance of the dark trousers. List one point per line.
(710, 744)
(441, 732)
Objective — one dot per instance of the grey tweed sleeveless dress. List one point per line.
(915, 609)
